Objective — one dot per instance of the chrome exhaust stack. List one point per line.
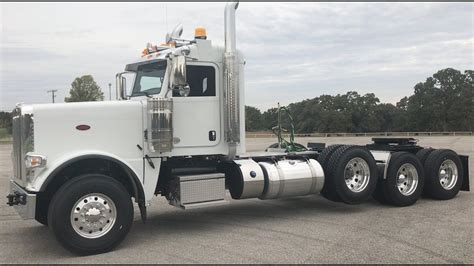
(232, 102)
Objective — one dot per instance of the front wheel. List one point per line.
(91, 214)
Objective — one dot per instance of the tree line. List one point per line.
(444, 102)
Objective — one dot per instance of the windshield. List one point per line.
(149, 79)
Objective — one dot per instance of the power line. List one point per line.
(53, 95)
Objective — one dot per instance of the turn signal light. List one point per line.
(34, 160)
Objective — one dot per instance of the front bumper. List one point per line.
(23, 202)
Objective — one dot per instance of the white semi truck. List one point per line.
(179, 133)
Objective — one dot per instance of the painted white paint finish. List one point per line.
(116, 127)
(115, 130)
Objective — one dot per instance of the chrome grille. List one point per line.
(27, 140)
(16, 150)
(23, 140)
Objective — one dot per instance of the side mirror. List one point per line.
(178, 75)
(121, 86)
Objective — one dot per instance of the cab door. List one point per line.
(196, 117)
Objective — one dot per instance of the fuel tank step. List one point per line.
(197, 205)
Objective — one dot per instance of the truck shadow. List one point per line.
(251, 213)
(166, 223)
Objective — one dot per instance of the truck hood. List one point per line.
(65, 130)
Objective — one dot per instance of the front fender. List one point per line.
(135, 166)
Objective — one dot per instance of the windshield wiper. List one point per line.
(146, 94)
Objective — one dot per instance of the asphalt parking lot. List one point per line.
(297, 230)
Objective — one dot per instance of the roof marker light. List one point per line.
(200, 33)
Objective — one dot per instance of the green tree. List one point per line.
(269, 118)
(253, 119)
(84, 89)
(443, 102)
(6, 121)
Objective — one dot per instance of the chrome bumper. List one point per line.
(23, 202)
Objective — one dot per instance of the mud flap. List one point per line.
(142, 207)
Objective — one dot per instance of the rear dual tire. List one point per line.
(444, 174)
(351, 174)
(404, 180)
(434, 173)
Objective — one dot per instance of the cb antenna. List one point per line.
(166, 16)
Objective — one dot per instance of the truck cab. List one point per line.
(198, 120)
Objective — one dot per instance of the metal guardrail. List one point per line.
(368, 134)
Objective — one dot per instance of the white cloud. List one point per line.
(293, 50)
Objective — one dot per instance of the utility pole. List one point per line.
(53, 95)
(110, 91)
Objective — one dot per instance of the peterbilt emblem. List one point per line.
(83, 127)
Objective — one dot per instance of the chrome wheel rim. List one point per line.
(448, 174)
(357, 174)
(93, 215)
(407, 179)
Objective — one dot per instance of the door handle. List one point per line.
(212, 135)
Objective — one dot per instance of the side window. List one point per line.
(201, 80)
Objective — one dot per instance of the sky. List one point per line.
(293, 51)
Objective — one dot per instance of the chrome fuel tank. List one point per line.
(286, 178)
(270, 178)
(245, 179)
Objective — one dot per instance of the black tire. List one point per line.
(326, 154)
(42, 219)
(336, 183)
(423, 155)
(323, 158)
(387, 189)
(378, 194)
(63, 202)
(433, 186)
(41, 212)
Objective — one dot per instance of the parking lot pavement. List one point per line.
(297, 230)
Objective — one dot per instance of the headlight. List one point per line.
(34, 161)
